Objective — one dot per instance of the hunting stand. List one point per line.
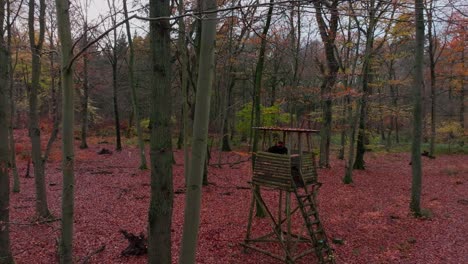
(279, 174)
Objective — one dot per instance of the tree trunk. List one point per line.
(328, 36)
(381, 117)
(131, 75)
(42, 209)
(200, 134)
(343, 131)
(354, 122)
(432, 64)
(118, 143)
(162, 195)
(226, 146)
(463, 103)
(183, 57)
(257, 91)
(11, 100)
(113, 59)
(68, 162)
(367, 78)
(84, 98)
(417, 117)
(6, 256)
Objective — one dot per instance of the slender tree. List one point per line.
(113, 57)
(257, 90)
(432, 66)
(162, 195)
(68, 157)
(136, 112)
(200, 133)
(328, 35)
(463, 102)
(5, 251)
(418, 85)
(14, 167)
(375, 9)
(183, 60)
(85, 95)
(353, 120)
(42, 209)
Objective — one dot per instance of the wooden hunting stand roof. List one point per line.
(287, 129)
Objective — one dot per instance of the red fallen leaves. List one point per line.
(371, 215)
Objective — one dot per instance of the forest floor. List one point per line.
(371, 215)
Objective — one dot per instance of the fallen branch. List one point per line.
(231, 164)
(86, 259)
(34, 222)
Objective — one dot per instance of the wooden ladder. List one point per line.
(308, 207)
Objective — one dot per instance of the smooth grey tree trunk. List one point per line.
(6, 256)
(200, 134)
(42, 209)
(68, 157)
(162, 195)
(417, 111)
(131, 75)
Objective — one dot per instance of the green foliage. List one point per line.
(449, 131)
(144, 123)
(270, 116)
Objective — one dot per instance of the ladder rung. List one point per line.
(307, 203)
(309, 213)
(316, 222)
(318, 231)
(304, 195)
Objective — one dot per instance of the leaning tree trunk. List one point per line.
(136, 112)
(161, 203)
(200, 134)
(42, 209)
(68, 157)
(417, 111)
(6, 256)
